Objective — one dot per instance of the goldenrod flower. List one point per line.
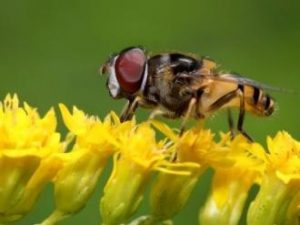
(82, 166)
(138, 155)
(231, 182)
(171, 191)
(27, 143)
(277, 201)
(31, 155)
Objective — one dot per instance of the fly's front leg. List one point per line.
(124, 112)
(129, 109)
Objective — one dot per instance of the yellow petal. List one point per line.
(76, 122)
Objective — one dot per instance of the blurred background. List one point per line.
(50, 52)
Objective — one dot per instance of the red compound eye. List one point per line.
(129, 69)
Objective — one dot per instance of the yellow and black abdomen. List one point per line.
(258, 101)
(220, 95)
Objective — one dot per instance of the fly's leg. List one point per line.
(187, 115)
(222, 101)
(239, 92)
(124, 112)
(231, 123)
(167, 114)
(130, 109)
(242, 115)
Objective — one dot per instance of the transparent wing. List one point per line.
(234, 78)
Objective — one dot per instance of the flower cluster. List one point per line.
(33, 154)
(27, 143)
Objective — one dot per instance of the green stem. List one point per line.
(146, 220)
(55, 217)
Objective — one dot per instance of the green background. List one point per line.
(50, 52)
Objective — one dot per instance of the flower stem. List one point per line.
(148, 220)
(55, 217)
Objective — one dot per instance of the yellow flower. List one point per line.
(280, 183)
(196, 145)
(32, 155)
(82, 166)
(284, 157)
(27, 143)
(171, 191)
(231, 182)
(138, 155)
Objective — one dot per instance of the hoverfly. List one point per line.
(177, 85)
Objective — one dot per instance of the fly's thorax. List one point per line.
(175, 62)
(169, 80)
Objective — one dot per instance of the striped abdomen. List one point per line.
(258, 101)
(220, 94)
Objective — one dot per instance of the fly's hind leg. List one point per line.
(239, 92)
(242, 115)
(222, 101)
(231, 123)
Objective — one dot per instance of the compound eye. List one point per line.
(129, 67)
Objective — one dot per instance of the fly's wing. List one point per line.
(227, 77)
(234, 78)
(194, 81)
